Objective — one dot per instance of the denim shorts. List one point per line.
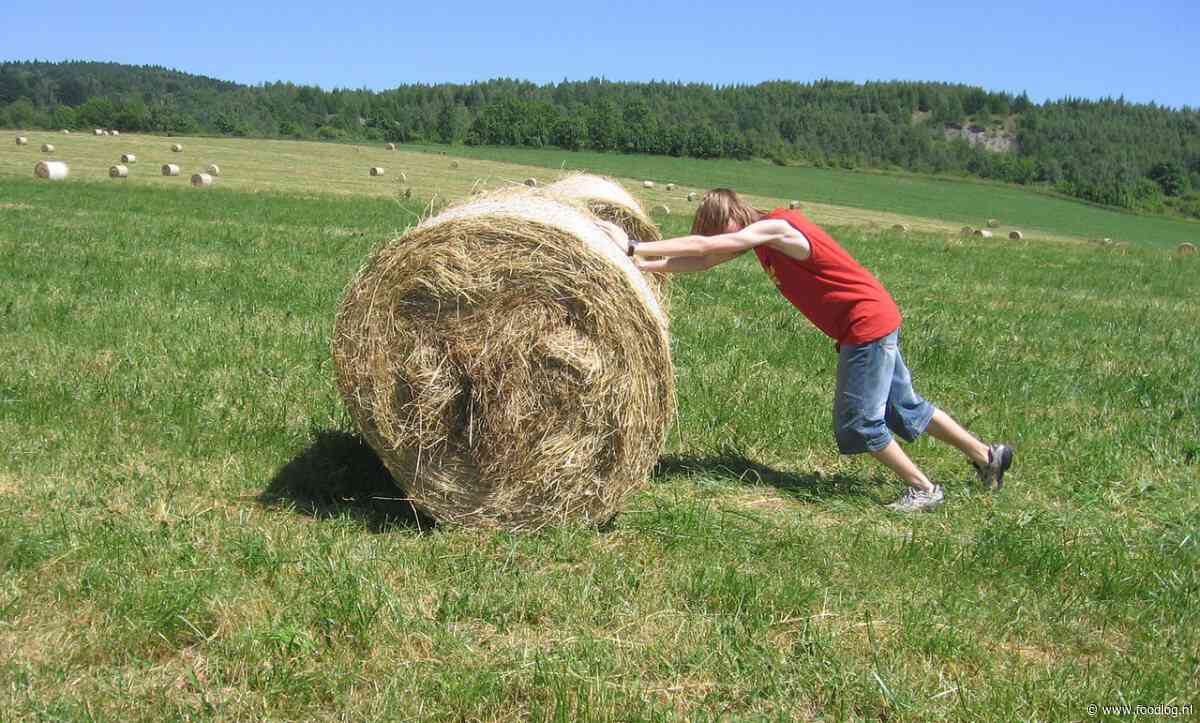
(875, 395)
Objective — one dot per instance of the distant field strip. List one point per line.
(829, 197)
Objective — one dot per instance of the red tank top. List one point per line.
(838, 296)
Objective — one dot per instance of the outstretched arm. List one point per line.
(682, 264)
(776, 232)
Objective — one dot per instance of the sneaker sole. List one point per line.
(1006, 459)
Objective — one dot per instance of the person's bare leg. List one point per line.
(943, 427)
(896, 460)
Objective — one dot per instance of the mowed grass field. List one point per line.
(190, 528)
(838, 194)
(440, 174)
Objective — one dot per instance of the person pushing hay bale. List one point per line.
(609, 201)
(508, 363)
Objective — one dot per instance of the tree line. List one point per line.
(1108, 151)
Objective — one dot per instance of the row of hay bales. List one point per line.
(507, 361)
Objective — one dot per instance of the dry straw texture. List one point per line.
(128, 158)
(508, 363)
(53, 170)
(213, 170)
(609, 201)
(170, 169)
(118, 171)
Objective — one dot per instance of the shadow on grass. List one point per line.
(733, 465)
(339, 475)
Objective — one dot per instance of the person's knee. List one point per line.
(856, 435)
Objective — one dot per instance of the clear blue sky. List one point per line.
(1051, 48)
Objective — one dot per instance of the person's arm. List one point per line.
(682, 264)
(778, 233)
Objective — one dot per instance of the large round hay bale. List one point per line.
(993, 223)
(213, 170)
(98, 132)
(170, 169)
(118, 171)
(647, 184)
(377, 171)
(128, 158)
(202, 180)
(391, 146)
(52, 170)
(47, 148)
(1186, 248)
(176, 148)
(531, 182)
(115, 132)
(104, 132)
(794, 205)
(983, 233)
(609, 201)
(508, 363)
(1015, 235)
(22, 140)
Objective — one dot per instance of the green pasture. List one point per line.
(191, 529)
(958, 200)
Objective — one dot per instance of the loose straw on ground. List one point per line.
(508, 363)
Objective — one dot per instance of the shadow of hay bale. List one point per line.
(732, 464)
(338, 475)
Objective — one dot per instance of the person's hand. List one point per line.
(617, 234)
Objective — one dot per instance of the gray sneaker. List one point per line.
(915, 500)
(1000, 457)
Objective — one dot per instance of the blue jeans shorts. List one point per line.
(875, 395)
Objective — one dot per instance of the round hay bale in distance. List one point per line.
(170, 169)
(202, 180)
(508, 363)
(115, 132)
(692, 196)
(377, 171)
(176, 148)
(66, 132)
(661, 209)
(213, 170)
(98, 132)
(1186, 248)
(793, 205)
(22, 140)
(454, 165)
(128, 158)
(531, 182)
(993, 223)
(983, 233)
(900, 227)
(647, 184)
(47, 148)
(118, 171)
(391, 146)
(609, 201)
(1015, 235)
(670, 186)
(51, 170)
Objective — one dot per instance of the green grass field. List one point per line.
(190, 528)
(959, 201)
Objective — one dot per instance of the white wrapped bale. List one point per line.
(170, 169)
(51, 170)
(202, 180)
(118, 171)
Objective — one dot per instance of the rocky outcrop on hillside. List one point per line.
(994, 140)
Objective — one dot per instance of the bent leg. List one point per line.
(896, 460)
(943, 427)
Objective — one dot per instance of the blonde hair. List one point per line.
(718, 208)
